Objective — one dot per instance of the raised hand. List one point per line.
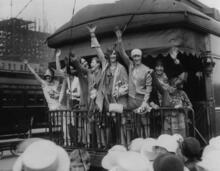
(58, 52)
(118, 32)
(91, 28)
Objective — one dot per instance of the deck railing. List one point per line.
(76, 128)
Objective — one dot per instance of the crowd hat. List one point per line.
(133, 161)
(191, 148)
(168, 162)
(215, 142)
(26, 143)
(207, 150)
(136, 144)
(117, 148)
(43, 155)
(167, 142)
(148, 148)
(136, 52)
(211, 161)
(110, 160)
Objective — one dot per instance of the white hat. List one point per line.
(117, 148)
(215, 142)
(110, 160)
(168, 142)
(125, 161)
(147, 148)
(211, 161)
(43, 155)
(136, 144)
(208, 149)
(136, 52)
(26, 143)
(133, 161)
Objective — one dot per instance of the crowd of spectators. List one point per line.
(164, 153)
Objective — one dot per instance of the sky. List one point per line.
(56, 12)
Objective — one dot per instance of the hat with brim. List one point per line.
(167, 142)
(41, 156)
(133, 161)
(136, 144)
(211, 161)
(117, 148)
(21, 147)
(147, 148)
(110, 160)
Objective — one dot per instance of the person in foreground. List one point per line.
(43, 155)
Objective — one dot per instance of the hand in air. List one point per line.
(118, 32)
(91, 28)
(58, 52)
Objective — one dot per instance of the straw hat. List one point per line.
(147, 148)
(168, 142)
(133, 161)
(117, 148)
(211, 161)
(43, 155)
(215, 142)
(26, 143)
(110, 160)
(136, 144)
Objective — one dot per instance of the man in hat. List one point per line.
(51, 88)
(140, 81)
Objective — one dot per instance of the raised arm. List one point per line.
(58, 67)
(34, 72)
(95, 44)
(122, 52)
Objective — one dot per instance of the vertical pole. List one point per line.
(210, 98)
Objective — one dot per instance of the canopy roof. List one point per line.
(143, 14)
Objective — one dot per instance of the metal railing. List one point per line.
(77, 128)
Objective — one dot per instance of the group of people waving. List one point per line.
(112, 86)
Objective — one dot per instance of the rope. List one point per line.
(23, 8)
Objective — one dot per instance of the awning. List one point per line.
(148, 14)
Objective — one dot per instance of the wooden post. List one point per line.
(208, 68)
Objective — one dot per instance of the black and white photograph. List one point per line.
(118, 85)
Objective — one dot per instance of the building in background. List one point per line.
(21, 97)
